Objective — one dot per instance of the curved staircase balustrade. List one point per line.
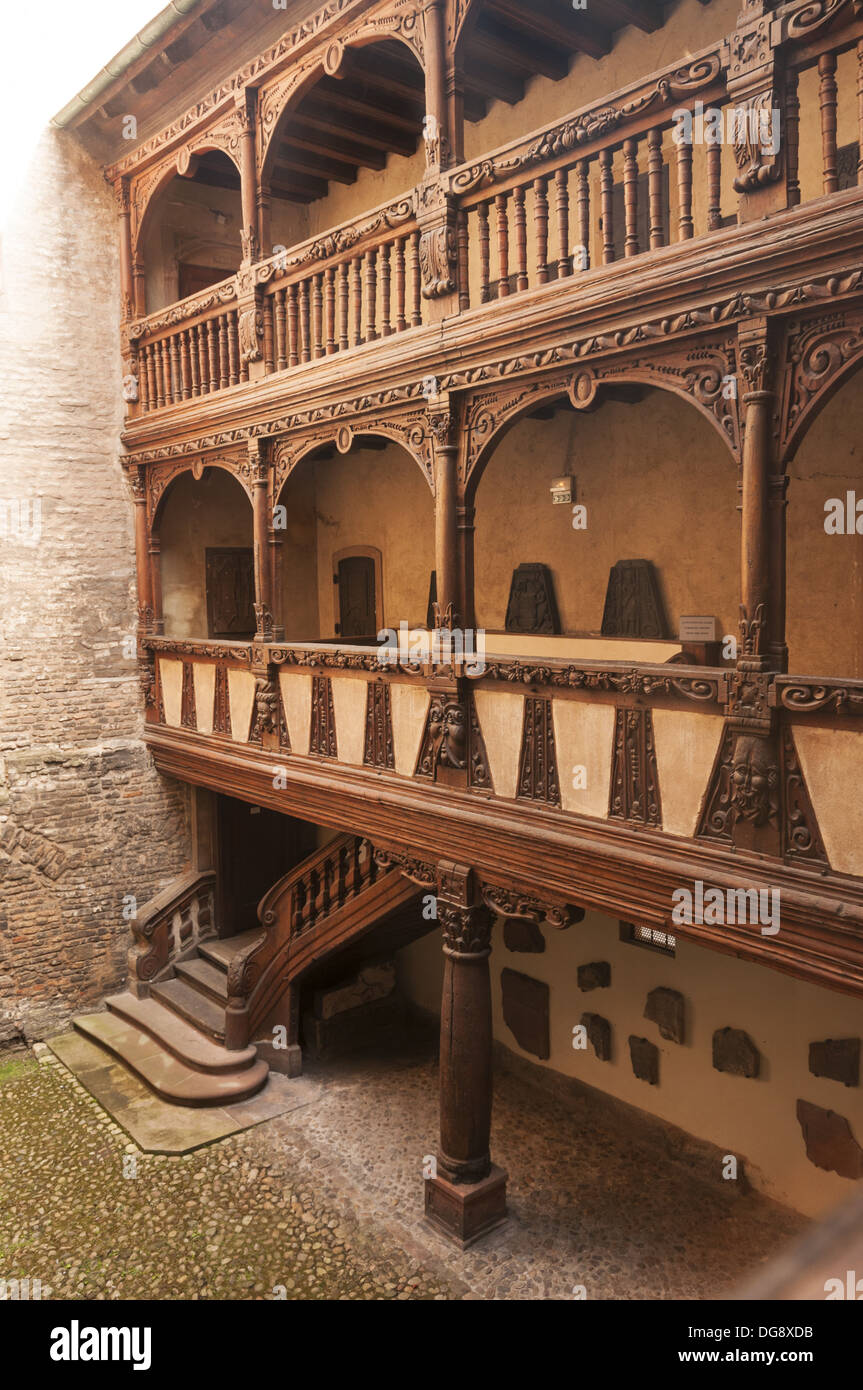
(310, 895)
(169, 928)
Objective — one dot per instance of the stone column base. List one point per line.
(465, 1212)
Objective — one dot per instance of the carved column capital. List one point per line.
(465, 920)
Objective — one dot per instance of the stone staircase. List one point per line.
(174, 1039)
(196, 1001)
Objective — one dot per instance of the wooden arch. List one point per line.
(161, 476)
(146, 190)
(275, 102)
(411, 433)
(705, 379)
(819, 358)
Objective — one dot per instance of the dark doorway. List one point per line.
(357, 610)
(230, 592)
(256, 848)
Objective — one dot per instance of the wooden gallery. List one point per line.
(482, 376)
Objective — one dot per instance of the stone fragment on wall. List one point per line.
(829, 1140)
(526, 1011)
(666, 1008)
(521, 935)
(645, 1060)
(595, 975)
(735, 1052)
(836, 1058)
(598, 1035)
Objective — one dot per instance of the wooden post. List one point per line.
(248, 175)
(263, 589)
(756, 569)
(467, 1196)
(443, 426)
(138, 483)
(436, 126)
(467, 603)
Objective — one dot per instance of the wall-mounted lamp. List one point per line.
(562, 490)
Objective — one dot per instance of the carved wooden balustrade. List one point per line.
(317, 906)
(189, 350)
(169, 927)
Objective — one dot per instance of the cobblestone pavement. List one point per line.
(214, 1224)
(327, 1201)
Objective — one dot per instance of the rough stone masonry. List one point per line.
(84, 818)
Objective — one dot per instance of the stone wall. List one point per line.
(84, 819)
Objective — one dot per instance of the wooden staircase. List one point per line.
(195, 1001)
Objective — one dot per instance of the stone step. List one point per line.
(191, 1005)
(205, 977)
(170, 1078)
(220, 950)
(177, 1037)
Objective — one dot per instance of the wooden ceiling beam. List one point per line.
(305, 185)
(574, 33)
(339, 114)
(643, 14)
(290, 160)
(520, 59)
(401, 82)
(302, 137)
(491, 82)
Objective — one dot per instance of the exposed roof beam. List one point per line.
(573, 32)
(302, 136)
(289, 160)
(303, 186)
(492, 82)
(520, 58)
(337, 98)
(644, 14)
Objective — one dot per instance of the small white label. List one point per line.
(693, 629)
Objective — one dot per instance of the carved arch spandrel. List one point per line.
(410, 431)
(821, 353)
(403, 21)
(704, 376)
(223, 135)
(161, 475)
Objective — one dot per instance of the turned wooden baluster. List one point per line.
(160, 375)
(792, 139)
(330, 309)
(174, 369)
(540, 222)
(152, 389)
(202, 357)
(371, 294)
(194, 372)
(500, 203)
(356, 302)
(714, 184)
(463, 260)
(279, 323)
(298, 899)
(654, 188)
(293, 326)
(305, 325)
(233, 348)
(318, 315)
(213, 350)
(269, 356)
(399, 281)
(223, 351)
(484, 254)
(685, 225)
(606, 197)
(416, 282)
(185, 371)
(827, 97)
(386, 324)
(344, 305)
(141, 368)
(582, 212)
(520, 221)
(327, 878)
(344, 868)
(561, 194)
(630, 197)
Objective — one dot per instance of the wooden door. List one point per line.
(256, 847)
(230, 592)
(357, 611)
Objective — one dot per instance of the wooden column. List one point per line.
(248, 175)
(264, 202)
(759, 607)
(121, 194)
(155, 572)
(260, 517)
(444, 430)
(276, 542)
(465, 525)
(139, 287)
(467, 1196)
(455, 113)
(138, 483)
(437, 128)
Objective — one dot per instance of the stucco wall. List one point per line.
(84, 819)
(212, 511)
(751, 1118)
(658, 484)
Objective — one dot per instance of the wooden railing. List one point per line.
(189, 350)
(304, 899)
(169, 928)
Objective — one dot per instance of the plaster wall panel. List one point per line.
(583, 737)
(500, 715)
(686, 747)
(241, 697)
(349, 707)
(296, 690)
(171, 677)
(204, 673)
(409, 706)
